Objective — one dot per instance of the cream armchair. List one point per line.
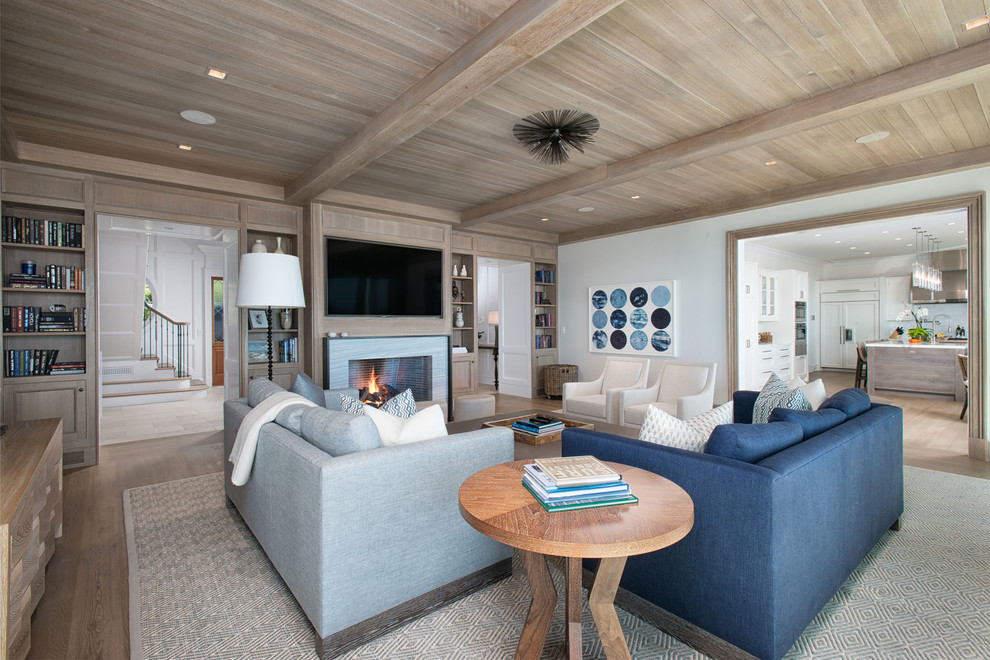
(599, 399)
(683, 389)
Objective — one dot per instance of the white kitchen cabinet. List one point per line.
(842, 325)
(800, 285)
(850, 286)
(897, 296)
(768, 295)
(773, 358)
(801, 367)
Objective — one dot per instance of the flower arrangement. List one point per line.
(918, 332)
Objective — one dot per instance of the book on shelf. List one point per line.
(582, 503)
(577, 470)
(33, 231)
(28, 362)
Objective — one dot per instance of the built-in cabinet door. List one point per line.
(23, 402)
(463, 373)
(768, 295)
(843, 324)
(832, 335)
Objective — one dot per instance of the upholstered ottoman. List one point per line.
(473, 406)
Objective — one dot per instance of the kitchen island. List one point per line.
(930, 370)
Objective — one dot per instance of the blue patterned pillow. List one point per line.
(776, 395)
(349, 404)
(401, 405)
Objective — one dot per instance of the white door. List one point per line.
(514, 332)
(862, 323)
(832, 338)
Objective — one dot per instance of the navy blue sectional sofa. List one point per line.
(775, 535)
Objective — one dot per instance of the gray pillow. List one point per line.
(290, 417)
(304, 386)
(260, 389)
(339, 433)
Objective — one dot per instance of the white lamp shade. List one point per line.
(493, 317)
(269, 280)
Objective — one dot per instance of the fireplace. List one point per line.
(419, 363)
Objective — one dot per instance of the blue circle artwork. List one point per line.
(599, 339)
(638, 297)
(660, 318)
(618, 298)
(618, 319)
(638, 340)
(660, 340)
(598, 299)
(599, 319)
(638, 318)
(660, 296)
(618, 340)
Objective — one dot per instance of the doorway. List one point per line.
(505, 287)
(974, 206)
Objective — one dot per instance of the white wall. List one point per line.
(694, 255)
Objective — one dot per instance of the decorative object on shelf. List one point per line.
(257, 319)
(918, 333)
(463, 271)
(550, 134)
(925, 272)
(28, 268)
(454, 291)
(258, 247)
(265, 280)
(285, 319)
(458, 317)
(278, 245)
(455, 270)
(633, 318)
(493, 321)
(463, 295)
(766, 337)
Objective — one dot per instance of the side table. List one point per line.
(494, 502)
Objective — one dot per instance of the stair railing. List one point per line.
(167, 340)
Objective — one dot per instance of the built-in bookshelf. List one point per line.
(544, 306)
(47, 343)
(464, 330)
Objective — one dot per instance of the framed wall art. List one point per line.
(635, 319)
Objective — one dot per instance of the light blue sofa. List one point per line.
(781, 519)
(370, 539)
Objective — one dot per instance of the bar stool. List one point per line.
(861, 365)
(964, 370)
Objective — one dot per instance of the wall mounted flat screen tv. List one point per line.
(380, 279)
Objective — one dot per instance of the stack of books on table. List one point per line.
(575, 482)
(537, 426)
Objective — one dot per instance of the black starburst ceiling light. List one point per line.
(550, 134)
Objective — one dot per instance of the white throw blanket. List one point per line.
(246, 443)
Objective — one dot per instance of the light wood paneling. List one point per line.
(164, 203)
(46, 186)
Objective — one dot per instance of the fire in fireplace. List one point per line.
(379, 379)
(375, 394)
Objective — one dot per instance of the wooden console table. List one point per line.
(30, 521)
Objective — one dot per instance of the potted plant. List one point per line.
(917, 334)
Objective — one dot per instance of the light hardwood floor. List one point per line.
(84, 612)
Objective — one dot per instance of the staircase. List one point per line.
(161, 374)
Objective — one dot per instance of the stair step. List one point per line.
(191, 388)
(142, 380)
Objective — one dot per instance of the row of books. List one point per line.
(538, 426)
(542, 298)
(37, 362)
(67, 278)
(33, 231)
(288, 350)
(575, 482)
(544, 341)
(544, 277)
(28, 318)
(543, 321)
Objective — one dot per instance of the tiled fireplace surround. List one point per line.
(420, 363)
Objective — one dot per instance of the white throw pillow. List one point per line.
(424, 425)
(663, 428)
(814, 391)
(776, 394)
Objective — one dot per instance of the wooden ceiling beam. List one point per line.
(953, 162)
(942, 72)
(524, 31)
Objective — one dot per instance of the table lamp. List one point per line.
(267, 280)
(493, 321)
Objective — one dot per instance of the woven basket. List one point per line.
(555, 375)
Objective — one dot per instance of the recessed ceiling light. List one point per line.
(950, 224)
(836, 242)
(197, 117)
(961, 231)
(544, 219)
(216, 73)
(185, 147)
(977, 22)
(634, 197)
(586, 209)
(852, 247)
(873, 137)
(770, 162)
(898, 238)
(818, 235)
(909, 245)
(867, 252)
(885, 231)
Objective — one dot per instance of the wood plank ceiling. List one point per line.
(372, 102)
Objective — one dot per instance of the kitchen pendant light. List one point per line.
(925, 271)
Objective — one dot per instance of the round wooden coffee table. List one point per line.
(495, 503)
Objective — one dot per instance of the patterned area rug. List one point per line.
(201, 587)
